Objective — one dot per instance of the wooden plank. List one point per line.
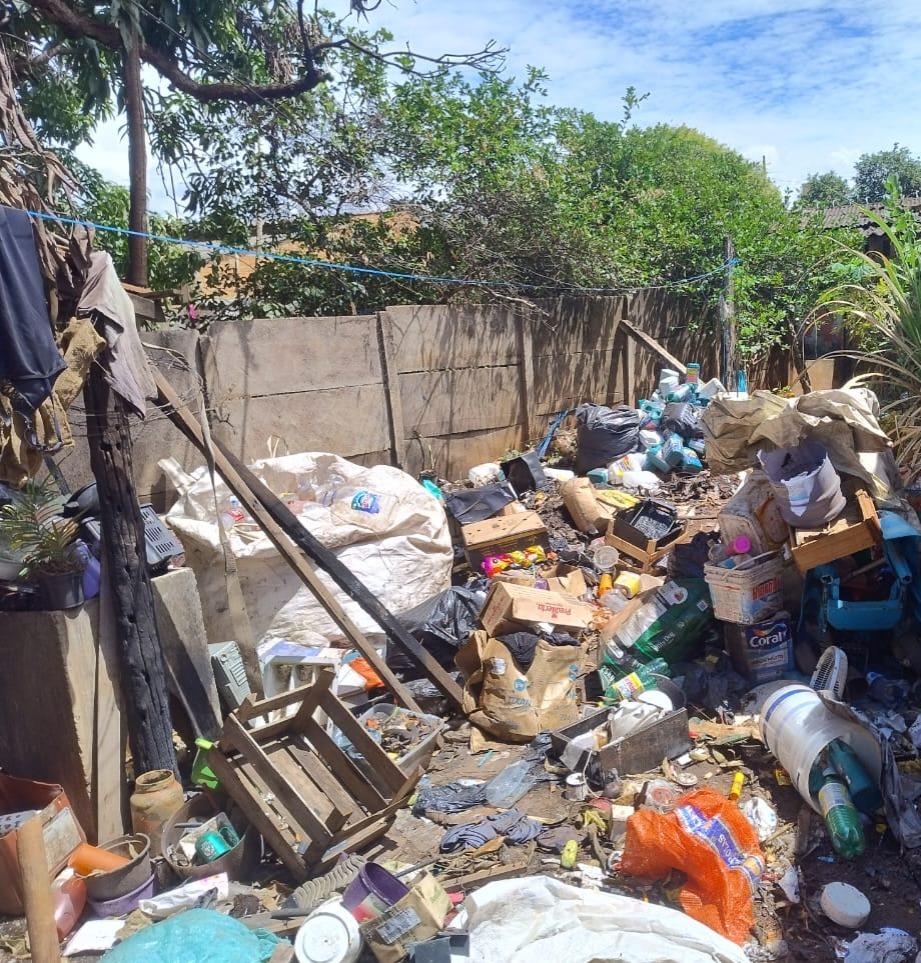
(308, 706)
(453, 455)
(392, 388)
(460, 399)
(307, 757)
(36, 892)
(576, 325)
(299, 773)
(386, 773)
(292, 795)
(651, 343)
(524, 323)
(565, 380)
(282, 527)
(307, 421)
(351, 831)
(249, 359)
(429, 337)
(343, 768)
(857, 528)
(258, 814)
(253, 708)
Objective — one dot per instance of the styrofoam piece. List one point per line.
(559, 474)
(329, 935)
(796, 726)
(845, 905)
(489, 471)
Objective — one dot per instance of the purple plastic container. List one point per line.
(372, 892)
(123, 905)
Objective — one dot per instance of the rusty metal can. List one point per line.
(211, 846)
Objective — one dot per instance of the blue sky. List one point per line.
(808, 85)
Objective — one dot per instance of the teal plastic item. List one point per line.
(433, 489)
(196, 936)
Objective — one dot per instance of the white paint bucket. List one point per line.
(796, 726)
(329, 935)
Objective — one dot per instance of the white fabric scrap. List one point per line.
(536, 917)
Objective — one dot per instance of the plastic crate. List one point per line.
(749, 593)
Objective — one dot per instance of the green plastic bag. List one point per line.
(195, 936)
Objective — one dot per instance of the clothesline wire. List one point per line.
(214, 247)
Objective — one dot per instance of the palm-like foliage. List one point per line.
(31, 525)
(884, 307)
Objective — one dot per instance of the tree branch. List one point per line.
(76, 25)
(23, 65)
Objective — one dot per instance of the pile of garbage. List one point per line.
(628, 729)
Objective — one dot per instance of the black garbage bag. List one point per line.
(683, 418)
(687, 559)
(476, 504)
(604, 434)
(441, 624)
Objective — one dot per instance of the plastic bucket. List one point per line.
(329, 935)
(372, 892)
(796, 726)
(123, 905)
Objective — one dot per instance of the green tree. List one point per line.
(250, 51)
(825, 190)
(872, 171)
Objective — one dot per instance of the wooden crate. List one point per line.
(855, 529)
(309, 799)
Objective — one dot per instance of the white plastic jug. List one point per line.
(796, 726)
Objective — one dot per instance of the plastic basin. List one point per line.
(118, 882)
(123, 905)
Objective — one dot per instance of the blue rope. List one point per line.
(216, 248)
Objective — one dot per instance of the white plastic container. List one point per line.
(559, 474)
(748, 593)
(845, 905)
(329, 935)
(669, 379)
(796, 726)
(711, 389)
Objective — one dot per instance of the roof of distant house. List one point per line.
(854, 215)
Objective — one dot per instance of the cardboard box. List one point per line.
(416, 917)
(508, 605)
(566, 579)
(495, 536)
(60, 829)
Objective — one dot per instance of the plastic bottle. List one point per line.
(637, 681)
(617, 663)
(232, 513)
(864, 792)
(68, 894)
(735, 790)
(605, 585)
(841, 817)
(614, 600)
(510, 785)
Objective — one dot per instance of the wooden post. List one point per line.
(36, 892)
(727, 316)
(143, 674)
(391, 389)
(523, 322)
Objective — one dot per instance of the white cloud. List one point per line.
(811, 84)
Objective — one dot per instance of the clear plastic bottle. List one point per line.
(232, 513)
(840, 814)
(505, 789)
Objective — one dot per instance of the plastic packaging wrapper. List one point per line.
(382, 525)
(806, 486)
(539, 918)
(889, 945)
(604, 434)
(196, 936)
(707, 838)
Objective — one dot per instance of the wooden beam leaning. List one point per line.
(282, 527)
(650, 342)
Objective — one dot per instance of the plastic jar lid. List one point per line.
(329, 935)
(845, 904)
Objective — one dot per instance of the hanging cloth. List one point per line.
(29, 359)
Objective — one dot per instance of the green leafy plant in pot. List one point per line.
(32, 527)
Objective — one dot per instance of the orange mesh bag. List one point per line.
(708, 839)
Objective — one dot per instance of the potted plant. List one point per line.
(45, 542)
